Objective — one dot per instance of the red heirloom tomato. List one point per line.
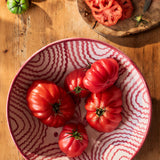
(50, 103)
(102, 74)
(99, 5)
(74, 83)
(127, 8)
(104, 109)
(73, 139)
(109, 16)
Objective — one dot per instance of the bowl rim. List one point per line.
(78, 39)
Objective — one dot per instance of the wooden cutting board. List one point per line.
(150, 19)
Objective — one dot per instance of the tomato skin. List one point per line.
(104, 109)
(74, 83)
(127, 8)
(50, 103)
(69, 144)
(102, 74)
(18, 6)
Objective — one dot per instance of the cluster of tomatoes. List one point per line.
(109, 12)
(54, 106)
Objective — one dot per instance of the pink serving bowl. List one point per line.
(36, 141)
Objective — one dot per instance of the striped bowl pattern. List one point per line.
(38, 142)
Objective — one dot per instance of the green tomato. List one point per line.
(17, 6)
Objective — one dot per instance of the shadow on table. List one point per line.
(138, 40)
(151, 145)
(37, 1)
(36, 9)
(37, 24)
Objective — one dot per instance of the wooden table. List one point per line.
(50, 20)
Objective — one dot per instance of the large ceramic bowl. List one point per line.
(36, 141)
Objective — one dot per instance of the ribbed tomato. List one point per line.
(50, 103)
(73, 139)
(102, 74)
(74, 83)
(108, 16)
(104, 109)
(127, 8)
(99, 5)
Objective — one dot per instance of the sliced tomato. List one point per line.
(109, 16)
(127, 8)
(99, 5)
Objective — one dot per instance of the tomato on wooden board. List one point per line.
(99, 5)
(50, 103)
(104, 109)
(74, 83)
(18, 6)
(127, 8)
(73, 139)
(109, 16)
(102, 74)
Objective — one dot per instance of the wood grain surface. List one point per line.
(50, 20)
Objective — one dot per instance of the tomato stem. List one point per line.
(76, 134)
(140, 19)
(100, 111)
(89, 65)
(95, 24)
(78, 89)
(55, 107)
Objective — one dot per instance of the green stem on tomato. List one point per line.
(140, 19)
(56, 107)
(100, 111)
(78, 89)
(76, 134)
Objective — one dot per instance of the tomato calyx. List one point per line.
(55, 107)
(100, 112)
(78, 89)
(76, 134)
(88, 66)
